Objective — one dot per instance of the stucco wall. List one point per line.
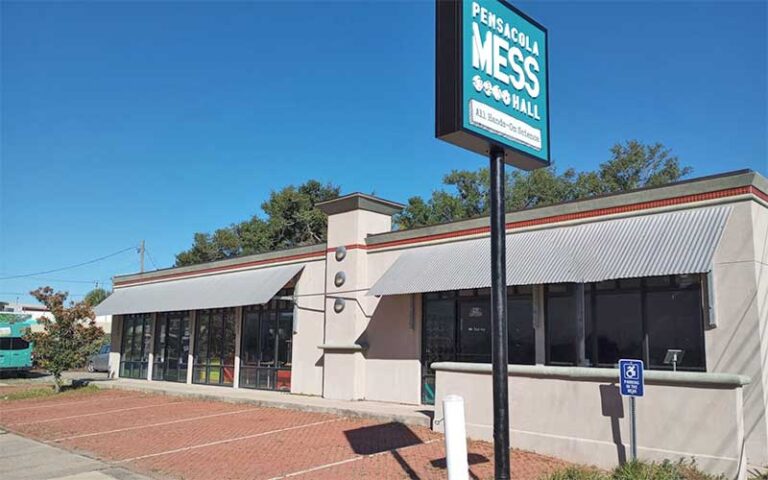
(760, 236)
(735, 345)
(309, 319)
(115, 339)
(587, 421)
(393, 336)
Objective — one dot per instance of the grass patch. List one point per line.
(638, 470)
(578, 473)
(758, 474)
(47, 391)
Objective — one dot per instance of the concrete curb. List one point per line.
(422, 418)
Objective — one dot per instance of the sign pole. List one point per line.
(632, 385)
(499, 318)
(632, 428)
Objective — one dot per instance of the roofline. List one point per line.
(290, 255)
(359, 201)
(713, 186)
(696, 186)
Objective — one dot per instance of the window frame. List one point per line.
(460, 297)
(646, 285)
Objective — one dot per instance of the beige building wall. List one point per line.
(393, 335)
(308, 325)
(573, 414)
(345, 345)
(115, 341)
(738, 343)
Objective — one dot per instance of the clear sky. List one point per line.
(143, 120)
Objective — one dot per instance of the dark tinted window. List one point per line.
(675, 322)
(638, 318)
(475, 333)
(457, 326)
(522, 344)
(5, 343)
(618, 325)
(250, 347)
(561, 324)
(19, 344)
(439, 330)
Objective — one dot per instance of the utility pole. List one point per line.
(141, 257)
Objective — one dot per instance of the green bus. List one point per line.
(15, 352)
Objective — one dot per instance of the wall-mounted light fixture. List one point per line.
(338, 305)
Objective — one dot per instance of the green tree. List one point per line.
(291, 220)
(67, 341)
(632, 165)
(95, 296)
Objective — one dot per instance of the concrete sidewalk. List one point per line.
(420, 415)
(24, 459)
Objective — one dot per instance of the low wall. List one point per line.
(577, 413)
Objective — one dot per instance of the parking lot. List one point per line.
(172, 437)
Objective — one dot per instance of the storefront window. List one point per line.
(266, 346)
(616, 322)
(561, 324)
(171, 347)
(628, 318)
(674, 320)
(134, 346)
(457, 328)
(215, 347)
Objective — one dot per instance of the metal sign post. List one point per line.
(492, 98)
(499, 318)
(632, 385)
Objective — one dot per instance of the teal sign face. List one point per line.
(497, 58)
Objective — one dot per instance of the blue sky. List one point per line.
(143, 120)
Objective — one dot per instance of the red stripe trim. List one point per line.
(224, 268)
(699, 197)
(759, 193)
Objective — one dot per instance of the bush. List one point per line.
(578, 473)
(638, 470)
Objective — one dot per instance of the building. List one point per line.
(39, 311)
(403, 316)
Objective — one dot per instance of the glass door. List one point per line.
(171, 347)
(266, 346)
(215, 347)
(134, 346)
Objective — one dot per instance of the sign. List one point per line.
(492, 86)
(5, 331)
(631, 378)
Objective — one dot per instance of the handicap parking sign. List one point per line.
(631, 378)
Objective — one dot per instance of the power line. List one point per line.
(26, 275)
(62, 280)
(27, 293)
(149, 255)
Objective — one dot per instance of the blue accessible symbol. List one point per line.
(631, 378)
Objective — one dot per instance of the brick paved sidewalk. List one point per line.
(171, 437)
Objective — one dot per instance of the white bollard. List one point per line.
(455, 438)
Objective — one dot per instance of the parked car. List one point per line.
(100, 361)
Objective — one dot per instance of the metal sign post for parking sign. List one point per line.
(632, 385)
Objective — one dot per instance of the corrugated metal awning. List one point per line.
(659, 244)
(250, 287)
